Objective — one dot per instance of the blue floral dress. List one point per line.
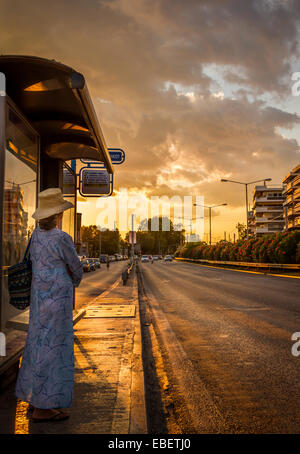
(46, 375)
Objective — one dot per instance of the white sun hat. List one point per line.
(51, 202)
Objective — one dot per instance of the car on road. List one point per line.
(155, 257)
(145, 258)
(92, 264)
(168, 258)
(97, 262)
(85, 265)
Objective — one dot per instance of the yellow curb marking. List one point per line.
(241, 271)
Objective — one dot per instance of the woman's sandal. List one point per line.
(57, 416)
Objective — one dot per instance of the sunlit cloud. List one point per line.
(192, 91)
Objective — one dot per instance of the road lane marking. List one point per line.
(250, 308)
(282, 275)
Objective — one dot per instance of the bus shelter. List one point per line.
(47, 120)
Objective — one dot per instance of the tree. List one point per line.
(110, 240)
(160, 241)
(242, 230)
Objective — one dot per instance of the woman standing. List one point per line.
(46, 376)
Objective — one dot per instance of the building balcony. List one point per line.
(288, 188)
(294, 224)
(265, 219)
(294, 173)
(296, 194)
(294, 211)
(268, 229)
(296, 180)
(268, 200)
(268, 209)
(289, 199)
(293, 184)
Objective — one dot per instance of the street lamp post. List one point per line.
(189, 219)
(210, 208)
(223, 180)
(99, 228)
(132, 238)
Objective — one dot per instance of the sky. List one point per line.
(192, 90)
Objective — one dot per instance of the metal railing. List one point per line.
(126, 273)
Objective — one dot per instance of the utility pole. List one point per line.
(247, 216)
(115, 228)
(209, 210)
(99, 228)
(132, 238)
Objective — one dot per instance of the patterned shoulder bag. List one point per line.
(19, 282)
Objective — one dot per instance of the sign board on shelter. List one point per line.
(95, 181)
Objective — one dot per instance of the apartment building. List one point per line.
(292, 199)
(267, 216)
(251, 223)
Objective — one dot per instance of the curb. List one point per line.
(138, 416)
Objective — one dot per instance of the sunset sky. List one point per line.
(192, 90)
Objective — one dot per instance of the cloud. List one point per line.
(145, 62)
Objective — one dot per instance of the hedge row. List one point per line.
(276, 248)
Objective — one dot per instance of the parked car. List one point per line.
(85, 265)
(145, 258)
(92, 264)
(168, 258)
(103, 258)
(119, 257)
(97, 262)
(112, 258)
(155, 257)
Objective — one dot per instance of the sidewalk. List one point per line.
(109, 378)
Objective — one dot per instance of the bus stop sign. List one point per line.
(95, 182)
(117, 156)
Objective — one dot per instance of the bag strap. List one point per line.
(27, 254)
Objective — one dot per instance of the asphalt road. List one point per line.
(235, 328)
(96, 282)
